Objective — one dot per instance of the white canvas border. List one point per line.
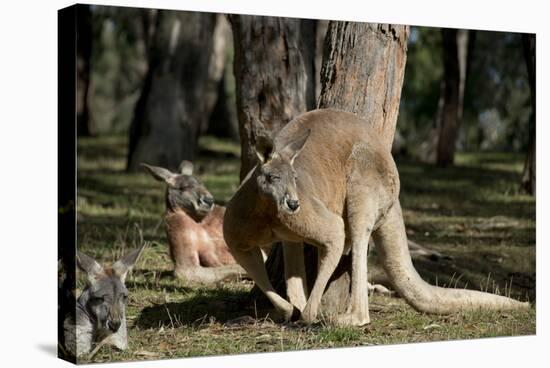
(28, 147)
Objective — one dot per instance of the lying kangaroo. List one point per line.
(101, 307)
(325, 179)
(194, 228)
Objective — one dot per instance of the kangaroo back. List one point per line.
(323, 162)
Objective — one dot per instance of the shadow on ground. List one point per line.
(463, 191)
(220, 304)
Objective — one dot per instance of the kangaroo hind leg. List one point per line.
(364, 191)
(328, 235)
(295, 274)
(361, 216)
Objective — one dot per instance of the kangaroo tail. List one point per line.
(391, 240)
(209, 275)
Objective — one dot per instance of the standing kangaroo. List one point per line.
(325, 179)
(194, 227)
(101, 307)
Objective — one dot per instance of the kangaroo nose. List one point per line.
(293, 204)
(209, 201)
(113, 325)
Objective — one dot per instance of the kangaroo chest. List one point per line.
(180, 225)
(283, 233)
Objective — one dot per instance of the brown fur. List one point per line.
(197, 243)
(347, 186)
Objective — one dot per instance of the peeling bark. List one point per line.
(320, 33)
(363, 69)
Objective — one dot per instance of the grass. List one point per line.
(472, 212)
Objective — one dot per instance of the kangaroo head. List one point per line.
(105, 295)
(276, 177)
(184, 191)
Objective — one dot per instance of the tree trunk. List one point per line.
(528, 179)
(84, 121)
(455, 56)
(223, 120)
(274, 75)
(147, 18)
(320, 33)
(363, 68)
(221, 42)
(173, 106)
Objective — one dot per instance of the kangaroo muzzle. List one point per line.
(290, 203)
(293, 204)
(114, 325)
(207, 201)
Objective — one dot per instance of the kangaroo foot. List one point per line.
(308, 316)
(288, 313)
(352, 319)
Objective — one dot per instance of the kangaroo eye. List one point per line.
(273, 178)
(97, 299)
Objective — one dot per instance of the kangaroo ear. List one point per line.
(89, 265)
(126, 263)
(264, 148)
(263, 141)
(160, 173)
(186, 168)
(293, 149)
